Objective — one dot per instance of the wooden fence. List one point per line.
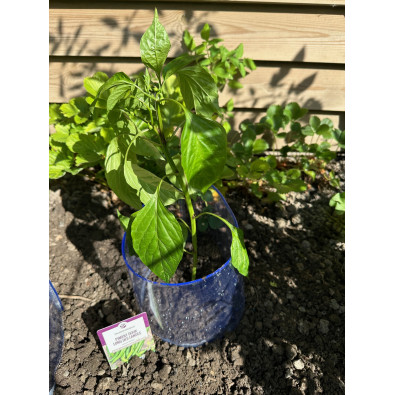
(298, 46)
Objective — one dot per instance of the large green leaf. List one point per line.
(203, 151)
(116, 80)
(115, 174)
(179, 63)
(238, 251)
(199, 90)
(116, 94)
(90, 147)
(93, 84)
(155, 45)
(146, 183)
(275, 117)
(157, 238)
(126, 223)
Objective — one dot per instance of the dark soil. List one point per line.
(290, 340)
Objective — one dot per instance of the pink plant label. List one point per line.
(126, 339)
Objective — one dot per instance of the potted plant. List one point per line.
(164, 154)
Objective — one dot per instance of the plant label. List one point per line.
(126, 339)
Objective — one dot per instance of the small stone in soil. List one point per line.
(157, 386)
(281, 223)
(90, 384)
(299, 364)
(164, 372)
(324, 326)
(291, 351)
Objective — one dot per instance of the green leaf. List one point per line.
(238, 251)
(93, 84)
(61, 134)
(338, 201)
(90, 147)
(215, 41)
(56, 172)
(324, 131)
(256, 190)
(221, 71)
(205, 33)
(179, 63)
(235, 84)
(294, 110)
(157, 238)
(198, 90)
(227, 172)
(293, 174)
(239, 51)
(275, 115)
(203, 151)
(126, 223)
(169, 171)
(307, 131)
(327, 121)
(115, 174)
(249, 63)
(59, 163)
(229, 105)
(260, 165)
(146, 183)
(189, 41)
(69, 110)
(116, 94)
(310, 173)
(54, 113)
(340, 137)
(155, 45)
(314, 123)
(117, 79)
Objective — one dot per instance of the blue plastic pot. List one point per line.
(192, 313)
(55, 334)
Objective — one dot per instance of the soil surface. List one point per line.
(291, 337)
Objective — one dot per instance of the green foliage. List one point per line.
(338, 202)
(155, 46)
(272, 177)
(203, 151)
(157, 238)
(127, 125)
(225, 66)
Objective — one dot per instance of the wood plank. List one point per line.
(315, 89)
(268, 33)
(297, 2)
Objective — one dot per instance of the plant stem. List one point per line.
(188, 199)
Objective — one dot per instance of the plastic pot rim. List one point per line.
(228, 262)
(53, 289)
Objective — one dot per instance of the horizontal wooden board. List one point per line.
(304, 2)
(270, 33)
(316, 89)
